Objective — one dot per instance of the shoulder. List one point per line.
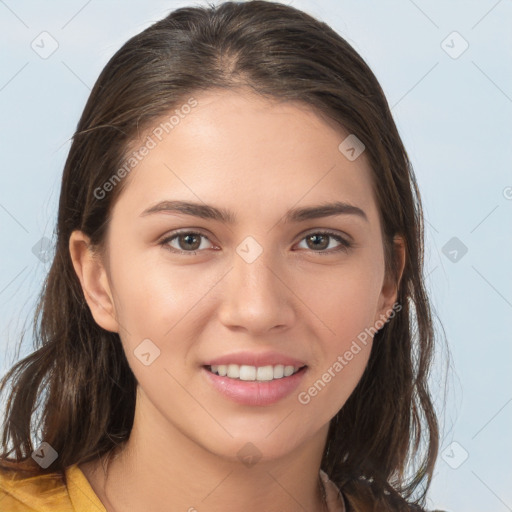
(333, 496)
(41, 493)
(338, 502)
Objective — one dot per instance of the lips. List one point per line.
(255, 379)
(255, 359)
(254, 392)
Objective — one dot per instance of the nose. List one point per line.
(256, 296)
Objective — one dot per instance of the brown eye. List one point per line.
(317, 241)
(187, 242)
(320, 241)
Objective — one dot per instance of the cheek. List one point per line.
(165, 303)
(346, 303)
(328, 389)
(345, 299)
(351, 344)
(341, 364)
(155, 303)
(152, 294)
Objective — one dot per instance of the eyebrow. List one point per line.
(205, 211)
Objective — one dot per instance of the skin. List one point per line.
(257, 158)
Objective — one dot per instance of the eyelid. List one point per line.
(164, 241)
(345, 240)
(328, 231)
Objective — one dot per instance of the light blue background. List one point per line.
(454, 115)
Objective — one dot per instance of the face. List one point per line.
(254, 280)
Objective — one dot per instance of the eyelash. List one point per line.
(345, 244)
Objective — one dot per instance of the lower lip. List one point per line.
(255, 392)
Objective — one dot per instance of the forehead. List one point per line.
(246, 152)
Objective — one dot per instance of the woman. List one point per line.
(235, 317)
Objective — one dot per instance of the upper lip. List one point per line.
(255, 359)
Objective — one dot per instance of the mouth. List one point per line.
(254, 385)
(254, 373)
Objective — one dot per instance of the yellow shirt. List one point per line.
(48, 493)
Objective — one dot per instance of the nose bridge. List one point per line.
(255, 296)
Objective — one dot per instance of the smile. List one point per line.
(253, 373)
(254, 385)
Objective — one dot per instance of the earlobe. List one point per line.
(93, 278)
(391, 285)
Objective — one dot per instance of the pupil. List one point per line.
(187, 239)
(316, 237)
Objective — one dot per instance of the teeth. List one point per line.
(279, 371)
(288, 370)
(248, 372)
(233, 371)
(260, 373)
(264, 373)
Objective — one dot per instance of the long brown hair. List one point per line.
(383, 443)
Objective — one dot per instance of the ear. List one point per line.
(93, 278)
(391, 284)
